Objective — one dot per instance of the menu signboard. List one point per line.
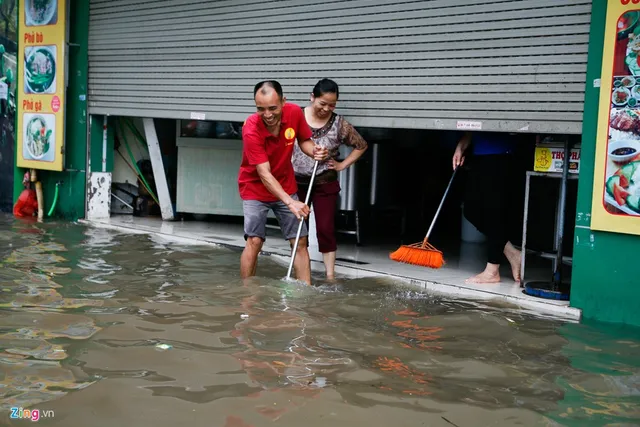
(41, 93)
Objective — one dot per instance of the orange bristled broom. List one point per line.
(423, 253)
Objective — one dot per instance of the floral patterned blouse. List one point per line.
(335, 132)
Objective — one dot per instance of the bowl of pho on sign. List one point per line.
(40, 12)
(40, 70)
(37, 137)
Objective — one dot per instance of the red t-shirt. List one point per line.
(259, 146)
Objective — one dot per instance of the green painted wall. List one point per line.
(605, 282)
(71, 202)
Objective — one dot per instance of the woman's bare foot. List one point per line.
(491, 274)
(514, 256)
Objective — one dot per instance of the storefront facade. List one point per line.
(479, 65)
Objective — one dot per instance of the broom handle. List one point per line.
(426, 238)
(306, 202)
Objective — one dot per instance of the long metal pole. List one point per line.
(525, 222)
(557, 274)
(435, 217)
(306, 202)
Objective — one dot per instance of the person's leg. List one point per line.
(249, 257)
(289, 225)
(474, 194)
(494, 222)
(329, 259)
(255, 221)
(514, 256)
(325, 197)
(497, 216)
(487, 211)
(302, 263)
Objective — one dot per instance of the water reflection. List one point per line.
(91, 312)
(606, 385)
(33, 315)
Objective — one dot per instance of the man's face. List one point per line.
(269, 106)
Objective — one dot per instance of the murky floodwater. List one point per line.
(104, 328)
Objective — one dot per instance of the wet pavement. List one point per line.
(103, 328)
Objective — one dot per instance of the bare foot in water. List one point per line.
(491, 274)
(514, 256)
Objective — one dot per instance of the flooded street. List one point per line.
(103, 328)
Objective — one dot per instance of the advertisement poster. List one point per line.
(616, 198)
(8, 67)
(40, 129)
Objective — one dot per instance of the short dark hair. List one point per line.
(268, 83)
(325, 86)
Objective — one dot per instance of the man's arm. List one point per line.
(272, 184)
(305, 142)
(254, 149)
(298, 208)
(307, 147)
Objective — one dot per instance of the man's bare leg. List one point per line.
(302, 263)
(330, 264)
(515, 259)
(491, 274)
(249, 258)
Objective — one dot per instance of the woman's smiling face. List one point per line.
(324, 105)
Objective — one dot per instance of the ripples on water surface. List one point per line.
(106, 328)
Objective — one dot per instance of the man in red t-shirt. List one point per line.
(266, 179)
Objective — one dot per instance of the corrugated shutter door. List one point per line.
(513, 65)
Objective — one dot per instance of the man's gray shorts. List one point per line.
(255, 219)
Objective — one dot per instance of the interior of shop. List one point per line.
(388, 198)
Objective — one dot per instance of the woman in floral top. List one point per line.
(330, 130)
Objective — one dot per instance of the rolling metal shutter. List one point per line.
(516, 65)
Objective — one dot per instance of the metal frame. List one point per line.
(159, 176)
(356, 231)
(548, 255)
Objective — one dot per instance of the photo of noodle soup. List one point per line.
(40, 69)
(40, 12)
(39, 137)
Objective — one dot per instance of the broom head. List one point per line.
(422, 253)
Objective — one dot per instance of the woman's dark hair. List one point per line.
(268, 83)
(325, 86)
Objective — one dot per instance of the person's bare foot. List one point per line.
(484, 277)
(514, 256)
(491, 274)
